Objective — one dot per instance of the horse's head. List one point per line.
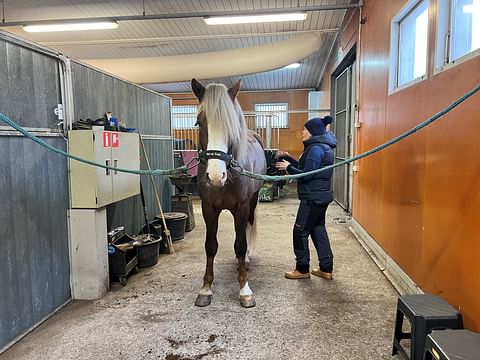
(222, 128)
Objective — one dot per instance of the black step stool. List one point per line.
(425, 313)
(452, 345)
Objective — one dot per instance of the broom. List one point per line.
(171, 250)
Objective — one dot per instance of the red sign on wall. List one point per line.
(115, 140)
(107, 139)
(111, 139)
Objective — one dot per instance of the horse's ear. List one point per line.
(233, 91)
(198, 89)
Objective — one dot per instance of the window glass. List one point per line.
(184, 116)
(274, 115)
(412, 44)
(464, 27)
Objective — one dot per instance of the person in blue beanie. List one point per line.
(315, 194)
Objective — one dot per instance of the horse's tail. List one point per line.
(252, 234)
(253, 221)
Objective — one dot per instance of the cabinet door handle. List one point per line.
(115, 164)
(107, 171)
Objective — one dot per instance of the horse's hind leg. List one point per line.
(251, 228)
(241, 219)
(211, 246)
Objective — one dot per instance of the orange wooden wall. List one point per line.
(420, 198)
(291, 138)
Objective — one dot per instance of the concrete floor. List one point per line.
(154, 317)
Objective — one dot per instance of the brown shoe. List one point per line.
(320, 273)
(295, 274)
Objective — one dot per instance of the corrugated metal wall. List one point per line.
(34, 244)
(34, 266)
(95, 94)
(29, 86)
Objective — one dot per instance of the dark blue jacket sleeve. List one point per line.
(312, 162)
(291, 160)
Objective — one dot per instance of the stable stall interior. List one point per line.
(406, 213)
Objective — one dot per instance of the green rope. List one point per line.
(39, 141)
(182, 169)
(366, 153)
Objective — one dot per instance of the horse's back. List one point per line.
(254, 159)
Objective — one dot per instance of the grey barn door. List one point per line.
(344, 99)
(34, 266)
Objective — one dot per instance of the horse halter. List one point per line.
(205, 155)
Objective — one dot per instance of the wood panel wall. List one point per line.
(291, 138)
(419, 199)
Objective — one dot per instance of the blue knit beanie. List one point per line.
(316, 126)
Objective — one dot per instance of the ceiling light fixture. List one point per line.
(272, 14)
(292, 66)
(248, 19)
(71, 26)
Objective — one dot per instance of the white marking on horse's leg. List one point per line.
(205, 291)
(245, 291)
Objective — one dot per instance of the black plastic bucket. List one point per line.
(148, 251)
(176, 223)
(183, 203)
(155, 228)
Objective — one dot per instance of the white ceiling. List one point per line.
(185, 35)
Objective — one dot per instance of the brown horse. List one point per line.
(224, 139)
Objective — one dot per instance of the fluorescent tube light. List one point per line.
(292, 66)
(71, 26)
(248, 19)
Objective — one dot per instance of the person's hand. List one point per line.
(280, 153)
(282, 165)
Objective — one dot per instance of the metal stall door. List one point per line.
(35, 269)
(267, 126)
(343, 94)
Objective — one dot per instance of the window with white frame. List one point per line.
(458, 30)
(273, 115)
(184, 116)
(409, 43)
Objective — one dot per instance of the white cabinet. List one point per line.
(88, 253)
(94, 187)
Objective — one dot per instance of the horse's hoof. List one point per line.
(203, 300)
(247, 301)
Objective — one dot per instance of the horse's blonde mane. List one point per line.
(225, 118)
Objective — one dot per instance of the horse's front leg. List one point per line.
(210, 216)
(241, 219)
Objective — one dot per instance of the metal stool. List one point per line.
(452, 344)
(425, 313)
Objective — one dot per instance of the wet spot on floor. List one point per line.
(174, 343)
(213, 351)
(212, 338)
(176, 357)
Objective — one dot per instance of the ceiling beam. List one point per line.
(180, 15)
(183, 38)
